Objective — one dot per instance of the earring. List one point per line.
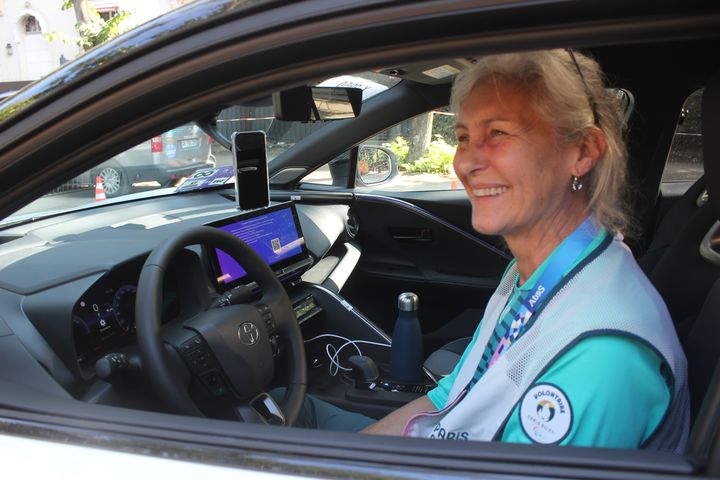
(577, 184)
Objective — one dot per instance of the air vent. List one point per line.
(352, 224)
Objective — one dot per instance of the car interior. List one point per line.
(136, 304)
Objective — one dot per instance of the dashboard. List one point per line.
(68, 283)
(104, 316)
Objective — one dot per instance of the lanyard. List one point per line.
(550, 278)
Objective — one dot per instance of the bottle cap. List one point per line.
(407, 302)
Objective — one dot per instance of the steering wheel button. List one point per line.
(191, 345)
(214, 383)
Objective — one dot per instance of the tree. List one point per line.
(421, 128)
(83, 11)
(93, 29)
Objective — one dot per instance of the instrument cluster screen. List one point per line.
(104, 317)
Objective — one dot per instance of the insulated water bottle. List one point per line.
(406, 355)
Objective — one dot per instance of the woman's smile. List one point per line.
(489, 191)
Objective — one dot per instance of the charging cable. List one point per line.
(333, 352)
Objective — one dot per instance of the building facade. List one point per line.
(25, 52)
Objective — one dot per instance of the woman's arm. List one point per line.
(394, 423)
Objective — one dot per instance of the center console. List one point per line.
(343, 349)
(348, 355)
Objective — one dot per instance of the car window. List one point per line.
(166, 160)
(413, 155)
(161, 161)
(685, 161)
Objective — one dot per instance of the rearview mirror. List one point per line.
(313, 104)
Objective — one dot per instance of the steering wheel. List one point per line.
(227, 353)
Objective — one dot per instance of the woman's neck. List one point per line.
(533, 248)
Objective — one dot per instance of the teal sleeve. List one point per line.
(616, 391)
(439, 395)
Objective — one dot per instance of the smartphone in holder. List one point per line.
(251, 175)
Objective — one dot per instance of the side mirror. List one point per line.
(317, 104)
(375, 165)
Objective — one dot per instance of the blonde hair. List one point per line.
(573, 98)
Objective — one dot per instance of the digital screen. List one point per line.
(274, 235)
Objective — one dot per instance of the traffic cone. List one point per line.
(99, 189)
(453, 185)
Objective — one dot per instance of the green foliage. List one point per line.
(437, 159)
(399, 147)
(444, 125)
(99, 31)
(95, 31)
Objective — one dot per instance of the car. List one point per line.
(106, 306)
(163, 159)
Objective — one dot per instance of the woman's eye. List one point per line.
(462, 138)
(497, 133)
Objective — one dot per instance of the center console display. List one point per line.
(274, 233)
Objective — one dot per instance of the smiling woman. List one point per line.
(548, 362)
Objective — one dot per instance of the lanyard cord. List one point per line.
(550, 279)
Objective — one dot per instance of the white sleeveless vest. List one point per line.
(609, 295)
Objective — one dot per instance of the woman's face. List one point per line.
(514, 171)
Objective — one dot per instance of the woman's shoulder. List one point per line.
(614, 279)
(611, 349)
(611, 294)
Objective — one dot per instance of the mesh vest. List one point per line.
(610, 295)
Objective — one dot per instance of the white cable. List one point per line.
(333, 353)
(334, 364)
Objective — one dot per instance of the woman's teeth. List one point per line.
(489, 192)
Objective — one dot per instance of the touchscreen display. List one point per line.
(274, 234)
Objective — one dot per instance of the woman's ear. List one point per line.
(592, 148)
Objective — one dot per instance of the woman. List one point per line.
(576, 347)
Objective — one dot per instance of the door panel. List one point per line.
(422, 243)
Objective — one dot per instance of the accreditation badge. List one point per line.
(545, 414)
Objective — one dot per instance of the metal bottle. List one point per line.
(406, 355)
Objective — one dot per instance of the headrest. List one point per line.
(711, 140)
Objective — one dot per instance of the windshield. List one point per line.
(162, 163)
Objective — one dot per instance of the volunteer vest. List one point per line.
(609, 295)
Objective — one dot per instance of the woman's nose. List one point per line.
(472, 157)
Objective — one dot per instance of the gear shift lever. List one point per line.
(406, 355)
(364, 369)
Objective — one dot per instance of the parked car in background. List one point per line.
(162, 160)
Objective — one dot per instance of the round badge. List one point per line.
(545, 414)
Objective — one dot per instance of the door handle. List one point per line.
(412, 235)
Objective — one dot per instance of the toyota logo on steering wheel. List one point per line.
(248, 334)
